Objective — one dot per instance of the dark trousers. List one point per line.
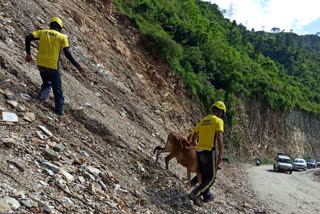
(51, 79)
(207, 164)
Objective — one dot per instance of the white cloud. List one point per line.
(285, 14)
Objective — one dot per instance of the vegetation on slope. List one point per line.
(219, 59)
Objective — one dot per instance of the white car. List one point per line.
(282, 163)
(300, 163)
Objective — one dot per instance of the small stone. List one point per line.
(78, 161)
(58, 163)
(247, 205)
(43, 183)
(113, 205)
(40, 135)
(101, 192)
(51, 166)
(3, 38)
(93, 170)
(45, 130)
(51, 154)
(68, 200)
(14, 204)
(27, 203)
(50, 172)
(125, 191)
(54, 138)
(17, 165)
(40, 19)
(9, 142)
(47, 209)
(59, 147)
(4, 206)
(12, 103)
(66, 160)
(97, 185)
(67, 175)
(51, 144)
(92, 188)
(81, 179)
(35, 140)
(19, 194)
(20, 108)
(30, 115)
(103, 186)
(9, 117)
(9, 95)
(117, 187)
(88, 175)
(27, 119)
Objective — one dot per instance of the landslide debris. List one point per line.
(98, 158)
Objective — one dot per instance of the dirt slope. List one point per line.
(295, 193)
(98, 158)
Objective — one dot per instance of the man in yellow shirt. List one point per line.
(51, 43)
(210, 130)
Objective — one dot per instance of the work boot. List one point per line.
(196, 200)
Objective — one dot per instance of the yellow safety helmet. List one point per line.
(220, 105)
(57, 20)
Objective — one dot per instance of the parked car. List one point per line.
(299, 163)
(311, 163)
(282, 163)
(318, 163)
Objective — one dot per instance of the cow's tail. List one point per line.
(157, 148)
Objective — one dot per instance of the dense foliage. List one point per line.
(219, 59)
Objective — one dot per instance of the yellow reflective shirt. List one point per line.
(207, 129)
(51, 42)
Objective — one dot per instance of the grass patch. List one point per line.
(266, 161)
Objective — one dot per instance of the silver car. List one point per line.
(282, 163)
(311, 163)
(299, 163)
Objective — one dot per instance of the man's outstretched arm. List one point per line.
(71, 59)
(220, 146)
(28, 40)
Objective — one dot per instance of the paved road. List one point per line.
(287, 194)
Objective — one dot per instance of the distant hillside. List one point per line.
(219, 59)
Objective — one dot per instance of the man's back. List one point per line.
(51, 42)
(207, 129)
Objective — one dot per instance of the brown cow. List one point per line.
(183, 151)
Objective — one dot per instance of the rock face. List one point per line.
(267, 132)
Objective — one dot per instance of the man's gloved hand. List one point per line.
(81, 73)
(81, 69)
(28, 58)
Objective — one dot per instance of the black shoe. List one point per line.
(207, 199)
(196, 200)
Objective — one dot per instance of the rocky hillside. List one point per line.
(264, 132)
(99, 157)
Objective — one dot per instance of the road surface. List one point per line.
(287, 194)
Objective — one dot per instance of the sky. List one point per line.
(300, 16)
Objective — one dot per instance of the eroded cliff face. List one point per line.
(304, 133)
(264, 132)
